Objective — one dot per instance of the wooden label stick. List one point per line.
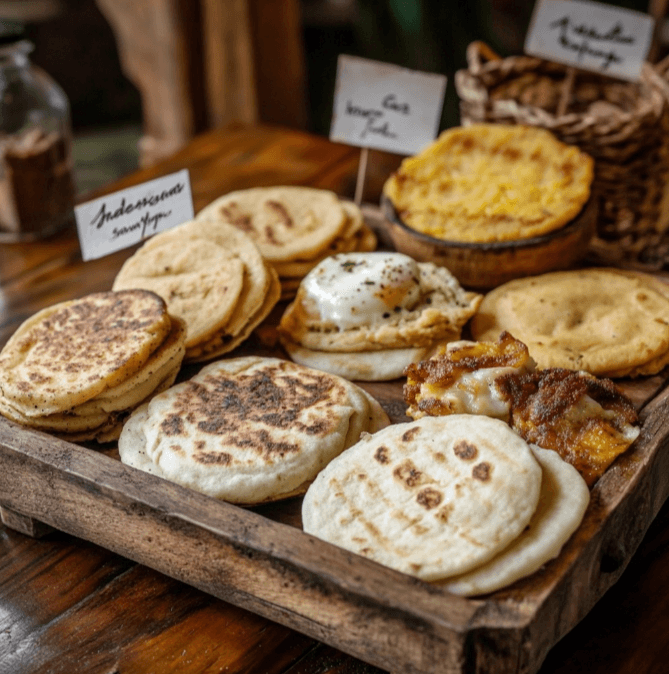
(566, 89)
(360, 181)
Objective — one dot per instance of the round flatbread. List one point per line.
(431, 498)
(225, 341)
(257, 278)
(285, 222)
(492, 182)
(357, 365)
(71, 352)
(562, 503)
(249, 429)
(199, 280)
(354, 235)
(163, 365)
(592, 319)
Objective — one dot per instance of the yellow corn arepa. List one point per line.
(211, 275)
(598, 320)
(491, 182)
(78, 368)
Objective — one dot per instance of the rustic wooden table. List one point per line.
(69, 606)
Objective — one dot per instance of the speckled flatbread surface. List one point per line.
(598, 320)
(248, 429)
(69, 353)
(431, 498)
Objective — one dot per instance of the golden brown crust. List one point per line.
(491, 182)
(596, 320)
(541, 403)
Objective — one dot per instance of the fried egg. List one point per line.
(356, 289)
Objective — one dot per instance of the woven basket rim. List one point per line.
(483, 63)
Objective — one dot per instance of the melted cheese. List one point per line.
(472, 393)
(355, 289)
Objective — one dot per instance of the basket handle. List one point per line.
(478, 53)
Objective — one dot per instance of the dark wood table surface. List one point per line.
(69, 606)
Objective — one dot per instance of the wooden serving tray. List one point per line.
(261, 560)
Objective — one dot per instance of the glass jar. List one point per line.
(36, 182)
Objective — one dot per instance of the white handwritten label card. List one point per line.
(122, 219)
(591, 36)
(385, 107)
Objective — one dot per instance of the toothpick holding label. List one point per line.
(360, 180)
(384, 107)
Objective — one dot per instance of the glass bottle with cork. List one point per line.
(36, 183)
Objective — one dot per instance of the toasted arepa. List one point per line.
(431, 498)
(562, 503)
(248, 430)
(71, 352)
(492, 182)
(596, 320)
(285, 222)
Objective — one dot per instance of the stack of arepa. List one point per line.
(249, 430)
(213, 277)
(295, 228)
(461, 500)
(76, 369)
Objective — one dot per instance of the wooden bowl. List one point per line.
(482, 266)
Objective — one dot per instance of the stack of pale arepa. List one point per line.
(249, 430)
(76, 369)
(213, 277)
(294, 227)
(461, 500)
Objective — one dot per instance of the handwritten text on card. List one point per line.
(591, 36)
(125, 218)
(385, 107)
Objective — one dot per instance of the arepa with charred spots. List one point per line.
(432, 498)
(70, 352)
(251, 429)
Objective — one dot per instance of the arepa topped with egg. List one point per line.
(365, 303)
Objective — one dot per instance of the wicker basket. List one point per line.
(624, 126)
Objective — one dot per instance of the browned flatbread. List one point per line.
(69, 353)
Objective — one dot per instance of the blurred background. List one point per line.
(144, 75)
